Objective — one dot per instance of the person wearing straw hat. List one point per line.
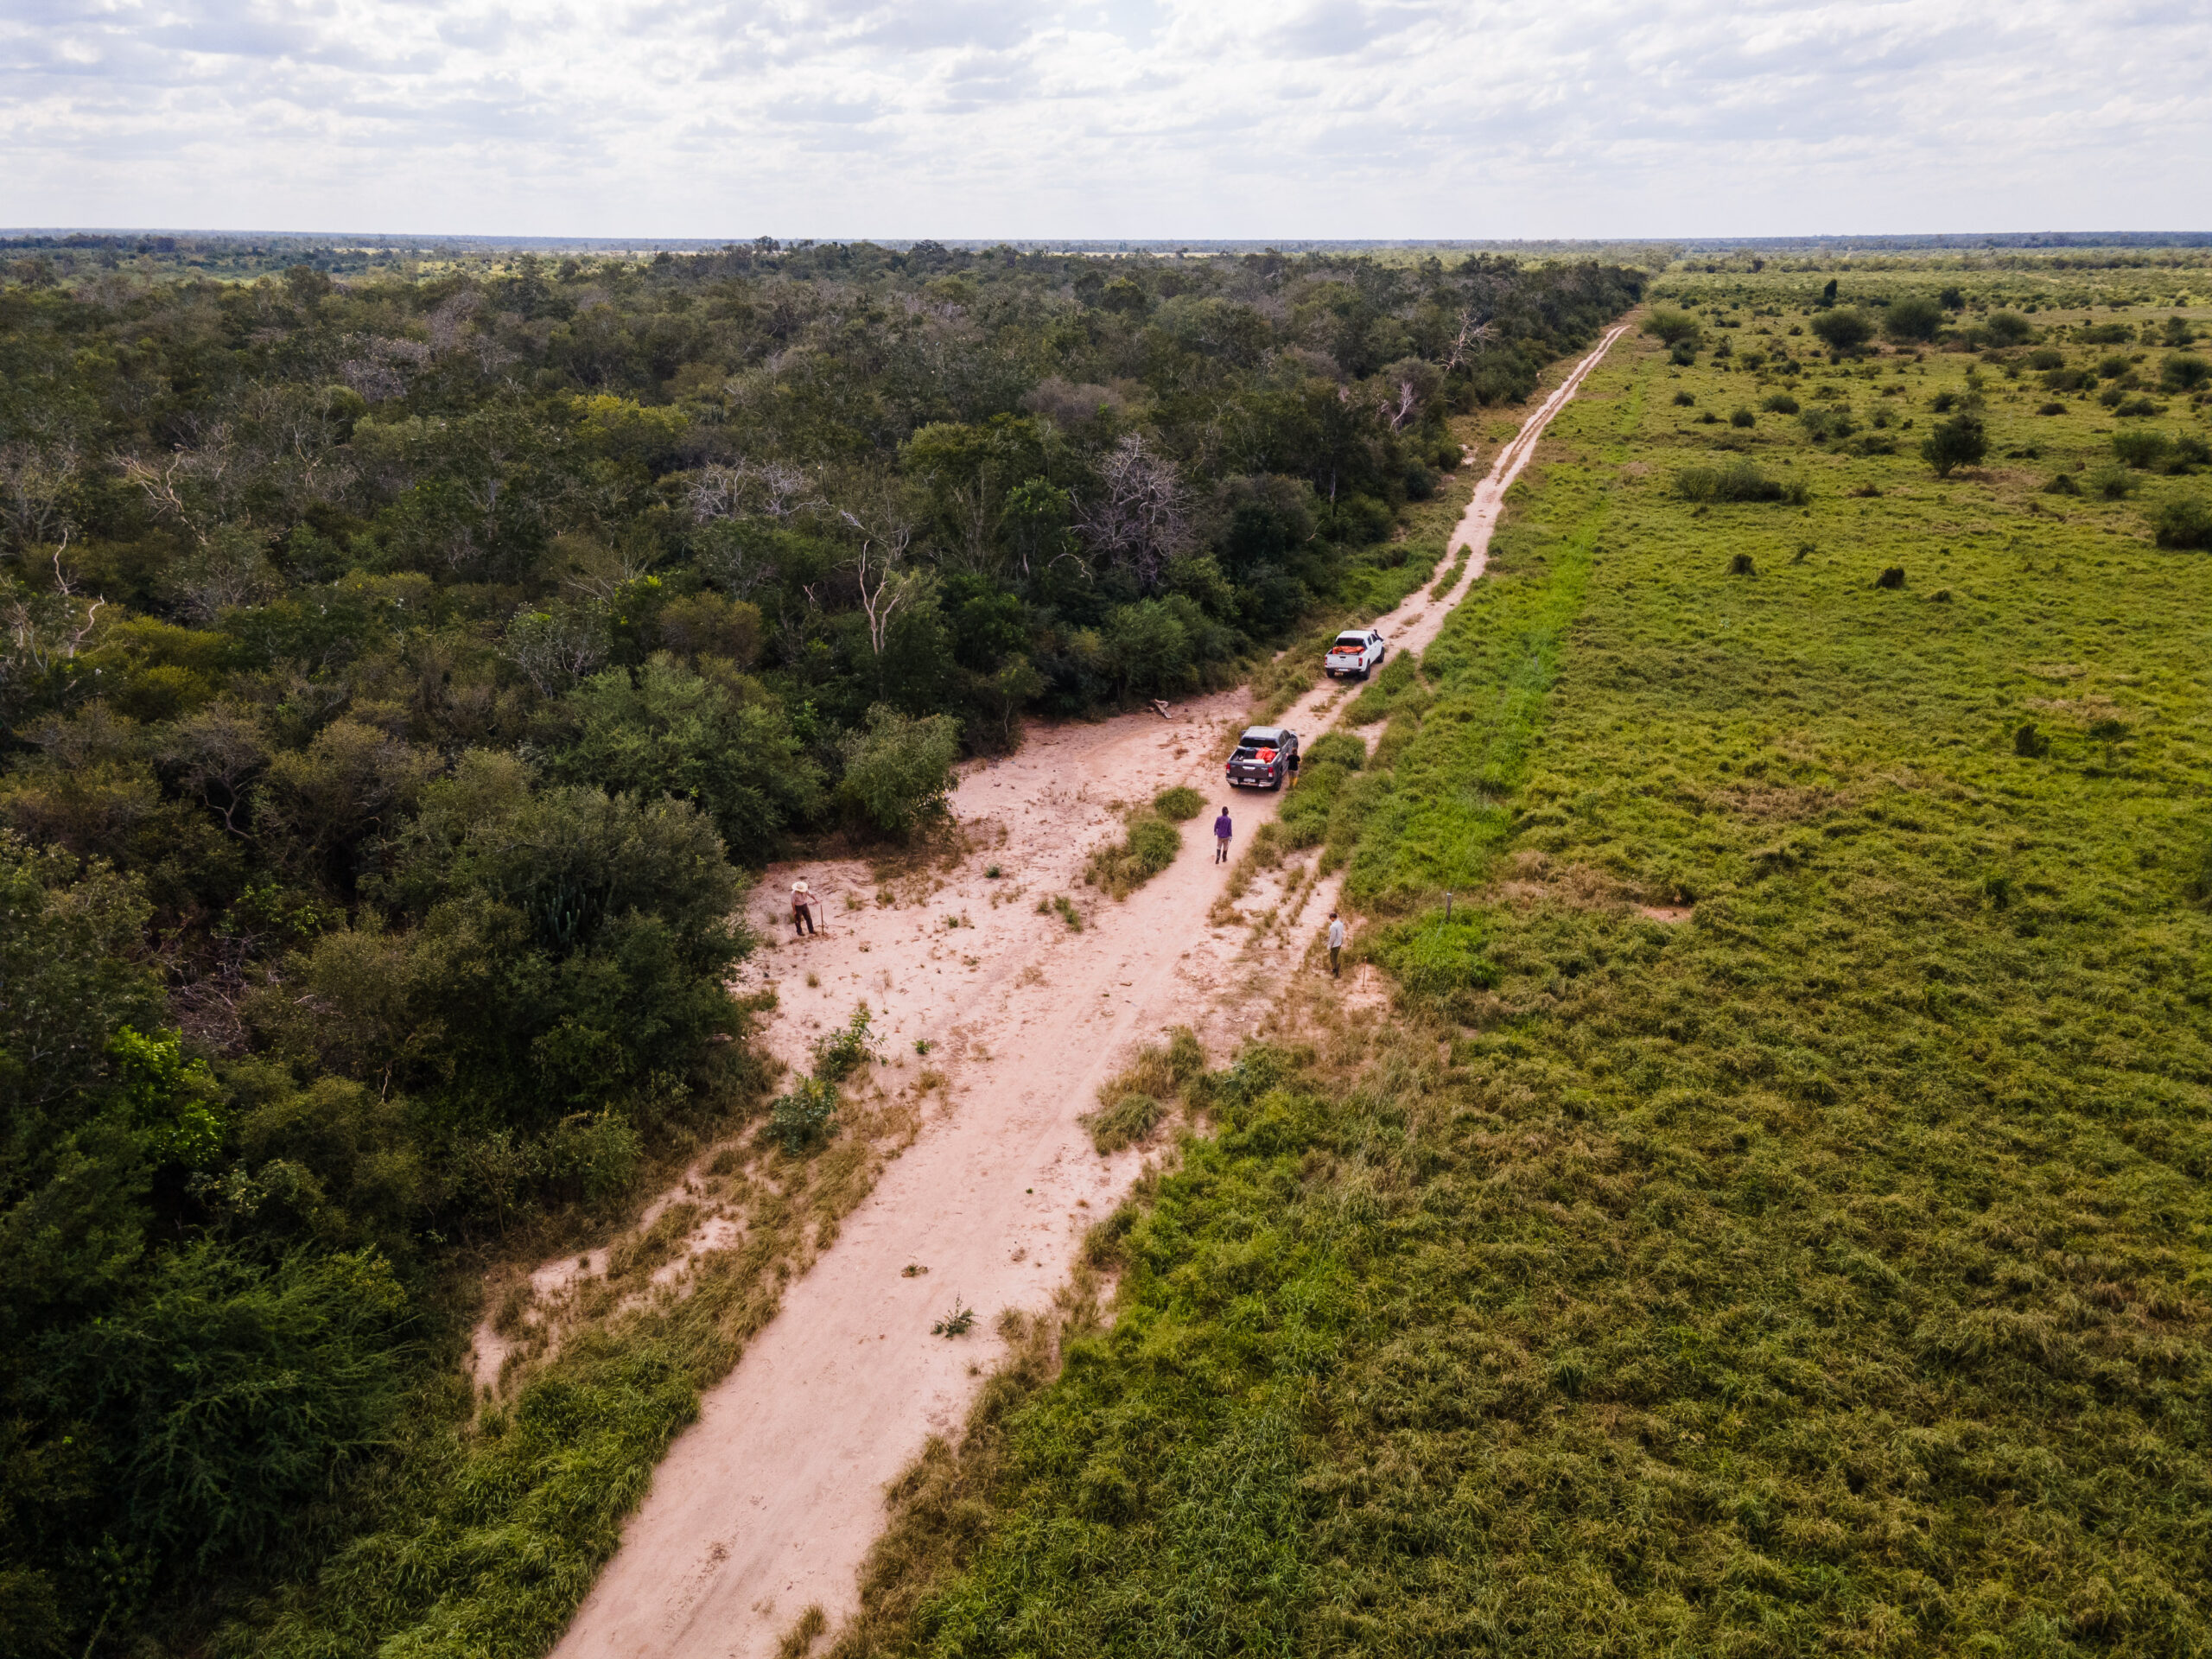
(801, 909)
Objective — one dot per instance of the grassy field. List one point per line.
(1773, 1219)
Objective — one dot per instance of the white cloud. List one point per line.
(1131, 118)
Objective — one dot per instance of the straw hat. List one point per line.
(799, 887)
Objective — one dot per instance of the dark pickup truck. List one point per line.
(1265, 758)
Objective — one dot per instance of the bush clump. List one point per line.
(1130, 1119)
(1962, 441)
(806, 1116)
(1912, 319)
(1844, 331)
(2184, 372)
(1337, 749)
(1779, 403)
(1742, 416)
(1133, 1104)
(1738, 481)
(1892, 577)
(1179, 805)
(2184, 524)
(1149, 848)
(898, 770)
(2141, 448)
(1435, 956)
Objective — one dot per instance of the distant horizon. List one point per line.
(1965, 241)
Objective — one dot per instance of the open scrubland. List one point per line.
(1771, 1217)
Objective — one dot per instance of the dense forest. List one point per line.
(399, 677)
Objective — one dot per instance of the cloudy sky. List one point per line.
(1131, 118)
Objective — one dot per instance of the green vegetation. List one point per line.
(402, 673)
(807, 1115)
(1824, 1269)
(1150, 845)
(1134, 1104)
(1179, 805)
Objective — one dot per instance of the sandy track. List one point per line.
(769, 1501)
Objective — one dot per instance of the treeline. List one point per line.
(396, 680)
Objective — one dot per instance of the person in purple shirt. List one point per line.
(1221, 837)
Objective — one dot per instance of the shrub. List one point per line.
(1827, 425)
(2050, 409)
(1844, 331)
(839, 1053)
(2185, 523)
(1149, 848)
(1741, 565)
(1433, 956)
(2029, 742)
(2044, 357)
(1960, 442)
(2064, 484)
(1780, 403)
(1741, 417)
(2184, 372)
(2009, 328)
(1738, 481)
(1674, 328)
(2110, 482)
(1913, 319)
(1684, 400)
(899, 770)
(2190, 452)
(1337, 749)
(1944, 402)
(1128, 1121)
(2141, 448)
(1682, 353)
(2137, 408)
(1179, 805)
(1892, 578)
(806, 1116)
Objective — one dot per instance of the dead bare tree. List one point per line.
(879, 546)
(1399, 410)
(1141, 516)
(739, 489)
(1474, 332)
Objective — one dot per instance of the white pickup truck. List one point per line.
(1354, 656)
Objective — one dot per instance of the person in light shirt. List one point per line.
(1336, 944)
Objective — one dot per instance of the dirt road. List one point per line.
(769, 1501)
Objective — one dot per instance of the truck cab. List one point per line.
(1357, 653)
(1265, 757)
